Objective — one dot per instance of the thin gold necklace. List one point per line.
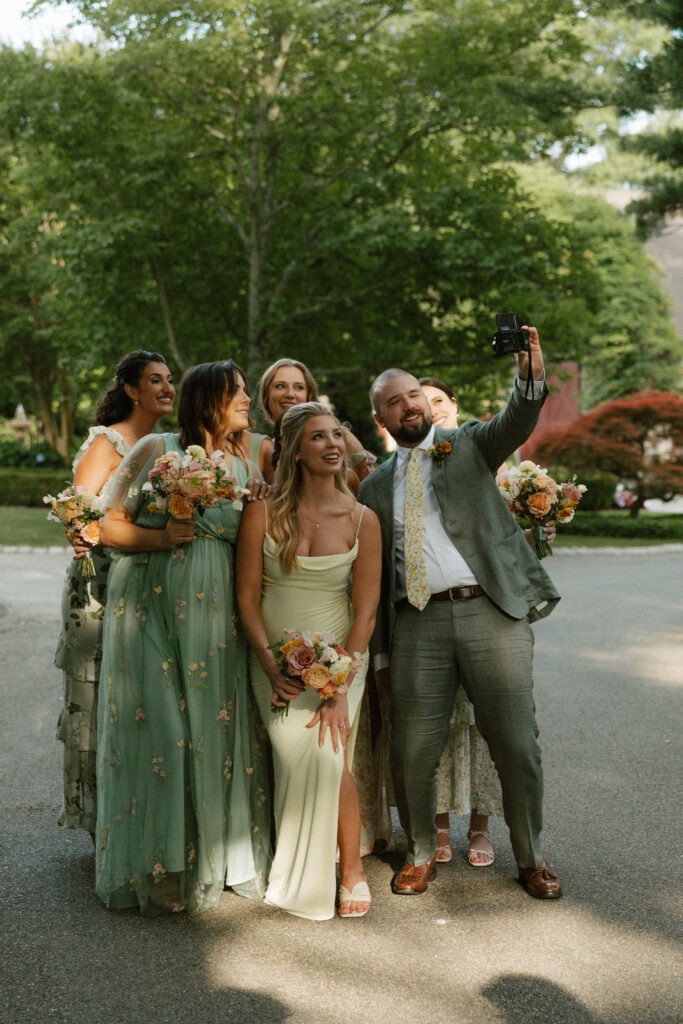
(319, 521)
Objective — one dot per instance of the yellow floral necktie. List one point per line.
(417, 584)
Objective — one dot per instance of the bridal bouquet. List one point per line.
(187, 484)
(79, 513)
(315, 658)
(531, 494)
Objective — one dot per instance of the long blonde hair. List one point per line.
(285, 529)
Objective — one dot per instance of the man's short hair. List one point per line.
(380, 381)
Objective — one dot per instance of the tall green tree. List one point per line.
(333, 138)
(654, 82)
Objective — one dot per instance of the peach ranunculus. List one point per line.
(300, 658)
(91, 532)
(196, 485)
(565, 515)
(180, 507)
(316, 676)
(539, 504)
(546, 484)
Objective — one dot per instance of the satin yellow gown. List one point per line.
(315, 597)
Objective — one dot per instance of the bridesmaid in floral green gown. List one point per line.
(141, 392)
(183, 805)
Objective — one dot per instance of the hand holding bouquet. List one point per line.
(187, 484)
(79, 513)
(532, 495)
(316, 659)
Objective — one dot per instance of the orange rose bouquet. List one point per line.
(185, 485)
(79, 513)
(531, 494)
(316, 659)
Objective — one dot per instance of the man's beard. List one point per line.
(413, 433)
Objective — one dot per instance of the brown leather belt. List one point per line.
(458, 594)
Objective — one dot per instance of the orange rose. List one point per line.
(539, 504)
(316, 676)
(180, 507)
(91, 532)
(327, 691)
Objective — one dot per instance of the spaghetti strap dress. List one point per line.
(313, 596)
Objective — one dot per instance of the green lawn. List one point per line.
(607, 542)
(29, 526)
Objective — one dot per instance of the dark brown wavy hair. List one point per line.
(203, 392)
(115, 405)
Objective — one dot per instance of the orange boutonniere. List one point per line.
(438, 452)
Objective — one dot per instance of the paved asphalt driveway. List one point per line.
(474, 949)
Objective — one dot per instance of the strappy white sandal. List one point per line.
(488, 857)
(359, 894)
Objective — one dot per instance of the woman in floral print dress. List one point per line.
(183, 804)
(141, 392)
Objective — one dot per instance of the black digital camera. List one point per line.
(510, 336)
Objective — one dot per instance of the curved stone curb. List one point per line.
(646, 549)
(27, 549)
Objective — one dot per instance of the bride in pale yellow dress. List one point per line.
(308, 558)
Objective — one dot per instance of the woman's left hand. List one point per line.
(550, 533)
(258, 489)
(333, 714)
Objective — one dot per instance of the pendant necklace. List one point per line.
(319, 521)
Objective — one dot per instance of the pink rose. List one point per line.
(300, 658)
(196, 485)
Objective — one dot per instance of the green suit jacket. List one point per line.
(477, 518)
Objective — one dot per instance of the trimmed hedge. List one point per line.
(621, 524)
(14, 453)
(27, 486)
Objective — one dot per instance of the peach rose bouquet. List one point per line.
(185, 485)
(79, 513)
(316, 659)
(532, 495)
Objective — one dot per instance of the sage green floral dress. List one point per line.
(79, 654)
(183, 805)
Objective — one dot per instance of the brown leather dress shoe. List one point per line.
(413, 879)
(542, 883)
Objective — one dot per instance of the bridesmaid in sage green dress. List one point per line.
(183, 806)
(141, 392)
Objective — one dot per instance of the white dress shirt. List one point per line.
(445, 565)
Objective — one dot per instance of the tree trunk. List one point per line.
(168, 319)
(635, 508)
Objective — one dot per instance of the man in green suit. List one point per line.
(460, 586)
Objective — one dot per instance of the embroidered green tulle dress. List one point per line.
(183, 804)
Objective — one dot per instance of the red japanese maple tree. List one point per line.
(639, 438)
